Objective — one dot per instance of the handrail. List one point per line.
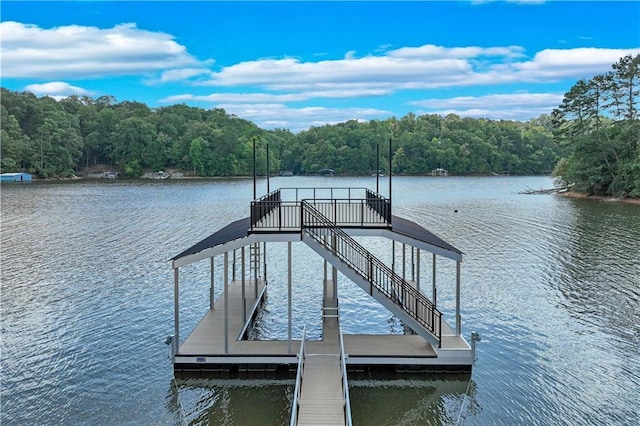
(345, 383)
(377, 274)
(302, 193)
(343, 211)
(264, 205)
(374, 209)
(379, 204)
(298, 386)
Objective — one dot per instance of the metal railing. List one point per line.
(316, 193)
(345, 383)
(298, 387)
(349, 212)
(279, 210)
(373, 270)
(275, 215)
(379, 204)
(261, 207)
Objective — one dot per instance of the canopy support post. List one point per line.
(404, 261)
(176, 311)
(458, 318)
(243, 282)
(435, 291)
(226, 302)
(289, 311)
(212, 289)
(418, 270)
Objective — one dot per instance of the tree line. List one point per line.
(59, 138)
(594, 134)
(597, 128)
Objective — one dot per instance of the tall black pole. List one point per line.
(268, 191)
(378, 168)
(254, 168)
(390, 170)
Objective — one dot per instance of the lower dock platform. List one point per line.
(213, 347)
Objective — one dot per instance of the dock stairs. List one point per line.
(412, 307)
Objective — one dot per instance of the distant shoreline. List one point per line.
(572, 194)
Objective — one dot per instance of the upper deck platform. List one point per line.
(277, 216)
(280, 210)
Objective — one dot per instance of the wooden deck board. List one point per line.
(207, 338)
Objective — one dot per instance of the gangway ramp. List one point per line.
(321, 400)
(321, 396)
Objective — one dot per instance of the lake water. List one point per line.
(551, 284)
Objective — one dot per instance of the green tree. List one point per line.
(598, 129)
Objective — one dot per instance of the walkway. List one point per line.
(321, 398)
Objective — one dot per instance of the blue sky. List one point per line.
(295, 65)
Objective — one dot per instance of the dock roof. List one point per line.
(403, 230)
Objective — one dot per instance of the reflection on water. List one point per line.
(412, 400)
(551, 284)
(235, 402)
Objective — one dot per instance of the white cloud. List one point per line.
(257, 97)
(29, 51)
(494, 100)
(183, 74)
(423, 67)
(374, 71)
(57, 90)
(74, 51)
(514, 106)
(554, 64)
(270, 116)
(432, 52)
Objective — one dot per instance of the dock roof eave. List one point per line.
(233, 236)
(409, 232)
(237, 235)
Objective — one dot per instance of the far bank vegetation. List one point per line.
(591, 140)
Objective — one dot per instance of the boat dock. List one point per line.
(326, 220)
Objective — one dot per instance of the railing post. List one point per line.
(433, 318)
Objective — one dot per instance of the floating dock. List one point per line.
(327, 220)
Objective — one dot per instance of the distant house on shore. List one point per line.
(103, 175)
(439, 172)
(15, 177)
(326, 172)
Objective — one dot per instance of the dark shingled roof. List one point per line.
(232, 231)
(413, 230)
(240, 228)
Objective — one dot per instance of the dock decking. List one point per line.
(204, 348)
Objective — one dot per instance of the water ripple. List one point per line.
(551, 284)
